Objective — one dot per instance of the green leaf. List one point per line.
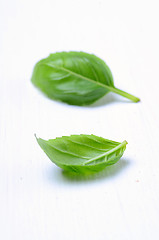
(76, 78)
(82, 153)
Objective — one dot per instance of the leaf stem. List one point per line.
(125, 94)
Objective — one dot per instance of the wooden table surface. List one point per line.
(38, 201)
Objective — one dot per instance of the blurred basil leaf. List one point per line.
(76, 78)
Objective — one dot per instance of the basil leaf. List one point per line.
(82, 153)
(76, 78)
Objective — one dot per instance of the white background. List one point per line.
(37, 201)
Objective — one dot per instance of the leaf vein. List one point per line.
(69, 153)
(82, 144)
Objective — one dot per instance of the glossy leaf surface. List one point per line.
(76, 78)
(82, 153)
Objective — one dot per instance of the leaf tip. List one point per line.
(35, 136)
(126, 142)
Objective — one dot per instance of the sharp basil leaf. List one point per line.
(76, 78)
(82, 153)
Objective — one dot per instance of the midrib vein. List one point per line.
(106, 153)
(80, 76)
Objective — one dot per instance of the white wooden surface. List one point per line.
(36, 200)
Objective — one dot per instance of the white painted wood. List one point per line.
(36, 200)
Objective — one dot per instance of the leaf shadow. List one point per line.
(109, 98)
(108, 173)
